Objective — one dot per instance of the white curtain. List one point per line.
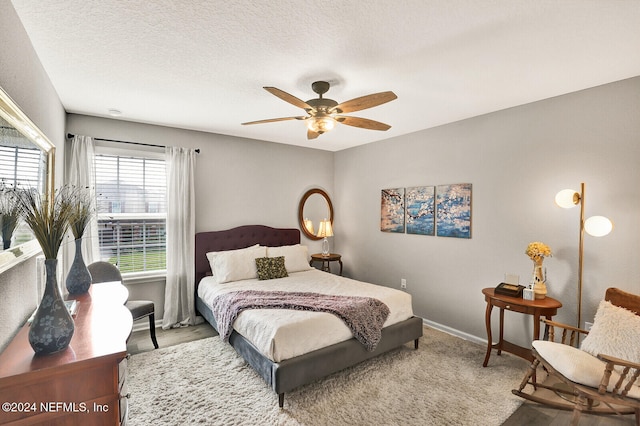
(80, 173)
(179, 303)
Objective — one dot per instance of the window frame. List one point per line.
(117, 149)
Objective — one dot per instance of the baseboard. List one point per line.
(454, 332)
(143, 324)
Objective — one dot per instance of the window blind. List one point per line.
(22, 167)
(131, 209)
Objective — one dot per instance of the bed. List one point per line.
(284, 370)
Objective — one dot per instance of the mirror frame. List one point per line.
(12, 113)
(303, 200)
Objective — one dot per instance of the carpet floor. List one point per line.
(442, 383)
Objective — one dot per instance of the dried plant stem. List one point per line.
(81, 212)
(48, 218)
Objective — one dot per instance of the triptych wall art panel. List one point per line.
(420, 210)
(392, 210)
(443, 210)
(454, 210)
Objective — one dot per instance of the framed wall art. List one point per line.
(453, 210)
(420, 210)
(392, 210)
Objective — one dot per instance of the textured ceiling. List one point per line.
(201, 64)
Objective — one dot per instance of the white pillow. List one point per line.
(235, 265)
(577, 365)
(615, 332)
(296, 257)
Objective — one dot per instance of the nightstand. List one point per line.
(326, 260)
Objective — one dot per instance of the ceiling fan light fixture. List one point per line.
(321, 125)
(323, 113)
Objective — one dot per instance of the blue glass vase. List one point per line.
(52, 327)
(78, 278)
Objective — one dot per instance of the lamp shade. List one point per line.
(567, 198)
(325, 230)
(308, 224)
(598, 226)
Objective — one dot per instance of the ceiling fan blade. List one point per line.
(363, 123)
(365, 102)
(288, 97)
(311, 134)
(271, 120)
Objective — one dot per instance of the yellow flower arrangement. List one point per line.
(537, 251)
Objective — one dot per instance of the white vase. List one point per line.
(539, 281)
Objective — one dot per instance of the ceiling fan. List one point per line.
(324, 113)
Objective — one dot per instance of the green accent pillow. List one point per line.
(271, 267)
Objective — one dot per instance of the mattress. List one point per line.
(281, 334)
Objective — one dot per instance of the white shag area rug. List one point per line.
(442, 383)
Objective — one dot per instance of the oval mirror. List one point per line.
(315, 206)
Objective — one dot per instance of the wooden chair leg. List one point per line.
(415, 343)
(577, 411)
(152, 329)
(531, 374)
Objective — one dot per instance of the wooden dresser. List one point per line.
(83, 385)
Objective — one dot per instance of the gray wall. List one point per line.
(517, 160)
(24, 79)
(239, 181)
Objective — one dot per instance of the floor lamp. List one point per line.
(597, 226)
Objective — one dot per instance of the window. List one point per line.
(22, 167)
(131, 211)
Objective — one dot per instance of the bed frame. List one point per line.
(287, 375)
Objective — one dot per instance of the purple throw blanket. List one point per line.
(363, 315)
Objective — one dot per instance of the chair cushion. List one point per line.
(577, 365)
(140, 308)
(615, 332)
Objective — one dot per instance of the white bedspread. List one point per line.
(281, 334)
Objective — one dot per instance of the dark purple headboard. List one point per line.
(237, 238)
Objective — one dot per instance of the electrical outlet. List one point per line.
(588, 325)
(403, 283)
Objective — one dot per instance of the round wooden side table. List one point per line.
(326, 260)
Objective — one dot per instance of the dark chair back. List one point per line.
(103, 272)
